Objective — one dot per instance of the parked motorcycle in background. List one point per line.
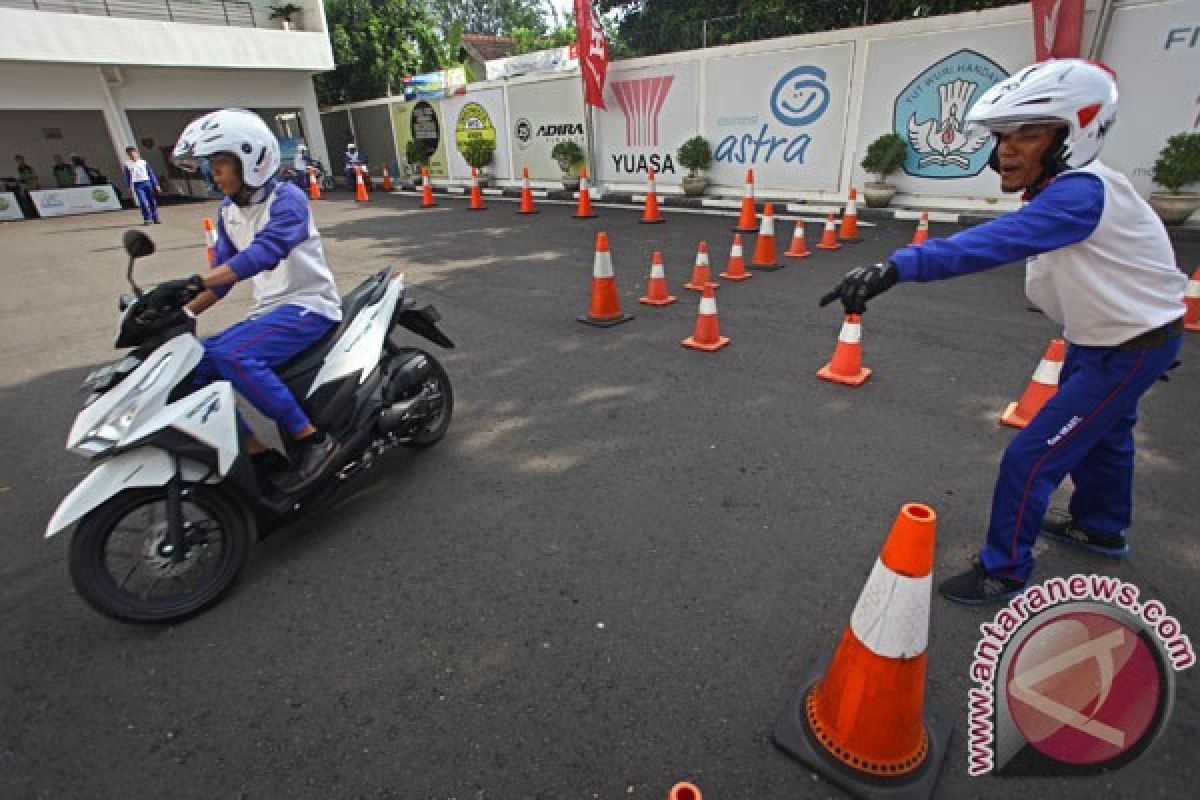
(166, 520)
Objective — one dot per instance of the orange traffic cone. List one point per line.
(685, 791)
(651, 215)
(799, 248)
(764, 246)
(922, 232)
(605, 310)
(584, 209)
(210, 242)
(707, 334)
(1042, 386)
(748, 221)
(829, 237)
(846, 366)
(656, 288)
(427, 200)
(476, 203)
(526, 195)
(1191, 300)
(736, 271)
(849, 230)
(314, 186)
(387, 180)
(360, 186)
(862, 723)
(701, 273)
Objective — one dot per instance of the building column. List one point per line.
(115, 119)
(313, 132)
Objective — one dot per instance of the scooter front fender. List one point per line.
(140, 468)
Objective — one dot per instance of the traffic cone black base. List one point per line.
(605, 323)
(794, 736)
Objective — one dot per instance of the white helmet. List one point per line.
(1082, 94)
(235, 131)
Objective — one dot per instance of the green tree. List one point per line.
(375, 44)
(491, 17)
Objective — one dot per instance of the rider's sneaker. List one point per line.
(1062, 528)
(976, 587)
(314, 456)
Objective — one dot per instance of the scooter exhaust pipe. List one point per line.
(405, 414)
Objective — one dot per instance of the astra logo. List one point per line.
(641, 102)
(799, 98)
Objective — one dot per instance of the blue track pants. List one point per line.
(1085, 431)
(147, 200)
(244, 354)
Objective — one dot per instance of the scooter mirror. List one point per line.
(125, 301)
(137, 244)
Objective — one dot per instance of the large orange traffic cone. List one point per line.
(862, 723)
(846, 365)
(387, 180)
(707, 334)
(427, 200)
(314, 185)
(360, 186)
(651, 214)
(210, 242)
(849, 230)
(656, 287)
(1042, 386)
(799, 247)
(476, 203)
(584, 209)
(685, 791)
(527, 206)
(921, 234)
(736, 271)
(829, 237)
(1191, 300)
(605, 310)
(701, 272)
(748, 221)
(764, 246)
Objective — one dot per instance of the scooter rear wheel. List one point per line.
(120, 559)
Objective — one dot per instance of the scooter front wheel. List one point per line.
(122, 564)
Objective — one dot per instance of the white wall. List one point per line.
(42, 36)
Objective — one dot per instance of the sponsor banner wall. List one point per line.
(782, 114)
(541, 115)
(79, 200)
(1155, 51)
(9, 207)
(921, 88)
(476, 115)
(421, 121)
(650, 112)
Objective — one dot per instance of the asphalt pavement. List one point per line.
(608, 577)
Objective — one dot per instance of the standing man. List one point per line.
(26, 175)
(143, 184)
(64, 176)
(1099, 264)
(353, 160)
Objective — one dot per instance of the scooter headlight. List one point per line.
(115, 426)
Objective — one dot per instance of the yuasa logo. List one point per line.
(641, 102)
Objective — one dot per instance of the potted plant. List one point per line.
(417, 157)
(569, 156)
(884, 156)
(285, 13)
(1177, 166)
(478, 153)
(695, 154)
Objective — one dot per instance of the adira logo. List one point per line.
(569, 129)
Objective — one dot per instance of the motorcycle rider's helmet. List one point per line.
(1082, 95)
(352, 146)
(235, 131)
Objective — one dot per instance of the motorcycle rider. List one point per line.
(265, 233)
(1101, 265)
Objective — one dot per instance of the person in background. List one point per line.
(64, 176)
(26, 175)
(143, 184)
(354, 159)
(85, 175)
(300, 163)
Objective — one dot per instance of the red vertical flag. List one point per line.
(593, 52)
(1057, 28)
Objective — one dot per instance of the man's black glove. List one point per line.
(861, 284)
(174, 294)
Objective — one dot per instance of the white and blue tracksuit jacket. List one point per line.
(1101, 265)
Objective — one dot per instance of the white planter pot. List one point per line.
(878, 194)
(693, 186)
(1174, 207)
